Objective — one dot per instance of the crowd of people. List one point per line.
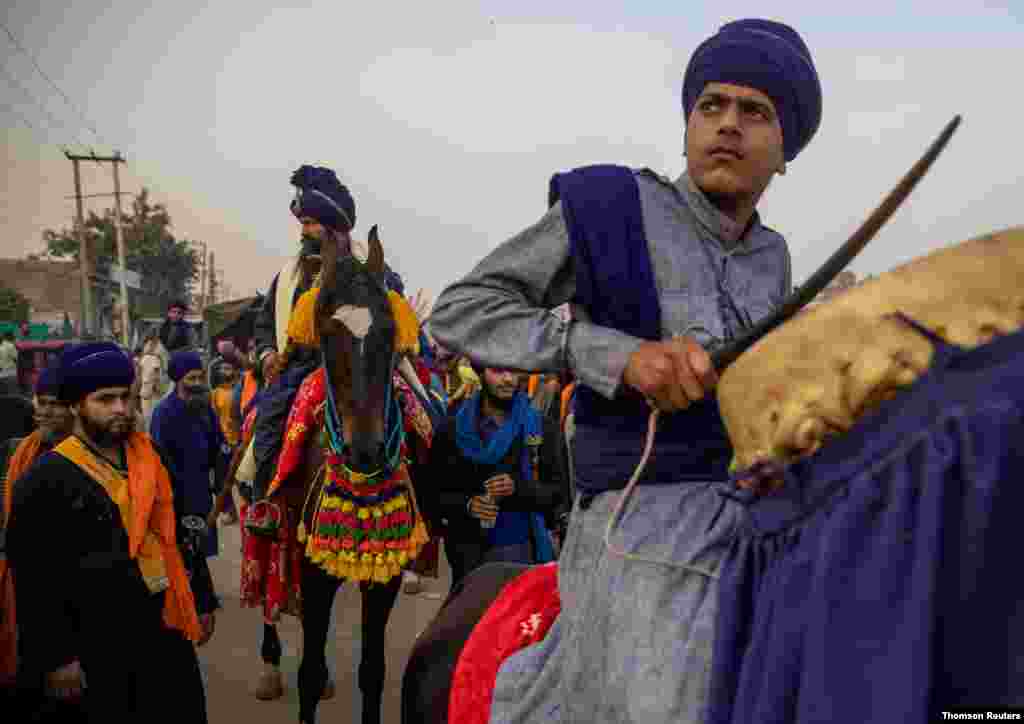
(123, 435)
(108, 568)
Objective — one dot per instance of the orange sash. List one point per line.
(566, 399)
(23, 457)
(221, 400)
(146, 503)
(249, 389)
(531, 385)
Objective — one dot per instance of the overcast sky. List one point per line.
(447, 119)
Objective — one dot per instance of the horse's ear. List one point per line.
(375, 259)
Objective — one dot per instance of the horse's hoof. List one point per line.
(269, 686)
(328, 692)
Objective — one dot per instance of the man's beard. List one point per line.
(310, 245)
(196, 405)
(113, 433)
(197, 398)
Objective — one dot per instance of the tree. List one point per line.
(13, 306)
(166, 265)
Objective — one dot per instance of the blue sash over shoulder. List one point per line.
(615, 284)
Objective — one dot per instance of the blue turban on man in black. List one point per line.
(91, 366)
(769, 57)
(182, 363)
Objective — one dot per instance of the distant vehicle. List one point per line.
(34, 356)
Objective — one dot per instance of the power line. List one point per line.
(20, 115)
(49, 80)
(28, 94)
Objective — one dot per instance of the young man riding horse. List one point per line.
(658, 271)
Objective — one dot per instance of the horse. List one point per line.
(356, 477)
(426, 682)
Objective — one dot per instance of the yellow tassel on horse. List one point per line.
(302, 325)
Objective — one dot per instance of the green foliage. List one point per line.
(167, 265)
(13, 306)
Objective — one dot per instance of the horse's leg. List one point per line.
(271, 649)
(270, 684)
(318, 591)
(378, 600)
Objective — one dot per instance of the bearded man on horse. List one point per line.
(326, 211)
(658, 271)
(321, 203)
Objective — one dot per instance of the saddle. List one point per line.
(813, 378)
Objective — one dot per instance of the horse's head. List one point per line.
(356, 327)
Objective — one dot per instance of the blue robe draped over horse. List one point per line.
(882, 583)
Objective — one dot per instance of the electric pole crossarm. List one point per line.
(84, 248)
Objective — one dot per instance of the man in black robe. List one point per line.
(105, 571)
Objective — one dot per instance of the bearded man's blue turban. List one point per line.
(182, 363)
(321, 196)
(91, 366)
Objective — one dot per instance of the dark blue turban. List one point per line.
(48, 382)
(769, 57)
(182, 363)
(91, 366)
(393, 280)
(321, 196)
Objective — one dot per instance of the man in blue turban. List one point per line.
(658, 272)
(185, 427)
(101, 583)
(54, 422)
(326, 213)
(52, 416)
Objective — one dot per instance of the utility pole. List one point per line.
(84, 258)
(121, 256)
(202, 277)
(84, 247)
(212, 283)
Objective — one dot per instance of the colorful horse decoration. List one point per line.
(341, 505)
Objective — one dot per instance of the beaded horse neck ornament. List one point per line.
(365, 526)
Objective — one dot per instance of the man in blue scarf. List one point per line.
(657, 271)
(492, 479)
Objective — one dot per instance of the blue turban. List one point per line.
(769, 57)
(48, 382)
(91, 366)
(182, 363)
(393, 280)
(321, 196)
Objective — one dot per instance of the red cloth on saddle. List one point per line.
(302, 419)
(271, 569)
(271, 566)
(519, 617)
